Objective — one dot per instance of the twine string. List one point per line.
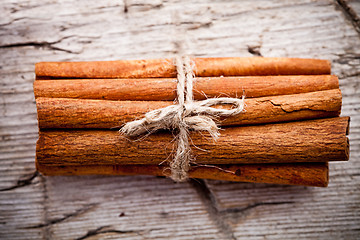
(187, 115)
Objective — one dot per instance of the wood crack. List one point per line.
(44, 44)
(78, 212)
(126, 8)
(209, 200)
(350, 14)
(255, 50)
(22, 182)
(219, 216)
(252, 206)
(105, 229)
(145, 6)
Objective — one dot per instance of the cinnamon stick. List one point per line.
(319, 140)
(165, 88)
(84, 113)
(306, 174)
(204, 67)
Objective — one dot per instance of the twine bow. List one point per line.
(186, 115)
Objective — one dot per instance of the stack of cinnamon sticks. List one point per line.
(288, 133)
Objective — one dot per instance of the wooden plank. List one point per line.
(355, 5)
(351, 9)
(34, 207)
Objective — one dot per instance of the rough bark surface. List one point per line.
(136, 207)
(165, 88)
(203, 67)
(305, 174)
(85, 113)
(319, 140)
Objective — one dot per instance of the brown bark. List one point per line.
(84, 113)
(318, 140)
(165, 88)
(165, 68)
(307, 174)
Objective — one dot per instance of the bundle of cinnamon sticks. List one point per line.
(288, 133)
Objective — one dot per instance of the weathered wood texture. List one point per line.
(37, 207)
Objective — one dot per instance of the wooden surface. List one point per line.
(143, 207)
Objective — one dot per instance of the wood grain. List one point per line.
(305, 174)
(204, 67)
(318, 140)
(165, 89)
(133, 207)
(84, 113)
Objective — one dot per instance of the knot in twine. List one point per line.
(186, 115)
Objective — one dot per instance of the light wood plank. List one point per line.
(34, 207)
